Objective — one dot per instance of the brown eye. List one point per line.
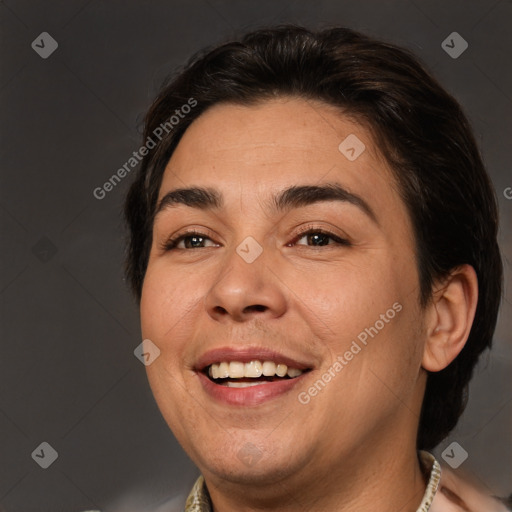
(191, 240)
(319, 238)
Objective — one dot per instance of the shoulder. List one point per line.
(175, 504)
(457, 494)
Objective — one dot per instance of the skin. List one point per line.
(352, 447)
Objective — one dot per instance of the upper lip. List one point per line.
(247, 354)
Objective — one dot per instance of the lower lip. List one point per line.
(251, 395)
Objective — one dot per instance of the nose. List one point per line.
(244, 291)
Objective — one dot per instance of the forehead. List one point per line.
(249, 152)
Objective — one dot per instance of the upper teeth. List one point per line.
(254, 369)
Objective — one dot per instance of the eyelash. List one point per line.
(171, 243)
(310, 230)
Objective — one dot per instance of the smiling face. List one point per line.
(321, 279)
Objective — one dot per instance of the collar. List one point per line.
(432, 467)
(199, 498)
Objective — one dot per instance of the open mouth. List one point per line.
(235, 374)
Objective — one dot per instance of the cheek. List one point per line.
(371, 310)
(393, 359)
(166, 299)
(354, 298)
(167, 302)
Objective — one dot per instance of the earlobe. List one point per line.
(451, 313)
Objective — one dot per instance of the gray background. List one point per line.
(68, 375)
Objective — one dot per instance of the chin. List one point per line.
(247, 462)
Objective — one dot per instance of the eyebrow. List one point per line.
(207, 198)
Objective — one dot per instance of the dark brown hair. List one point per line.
(421, 131)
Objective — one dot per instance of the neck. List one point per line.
(385, 478)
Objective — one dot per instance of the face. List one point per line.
(264, 278)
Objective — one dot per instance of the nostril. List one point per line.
(256, 307)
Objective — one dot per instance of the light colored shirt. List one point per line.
(199, 499)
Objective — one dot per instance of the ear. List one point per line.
(449, 317)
